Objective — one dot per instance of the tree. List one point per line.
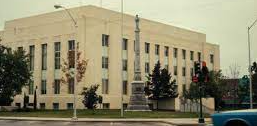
(90, 97)
(14, 73)
(243, 89)
(159, 85)
(213, 88)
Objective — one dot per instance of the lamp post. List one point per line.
(75, 92)
(121, 104)
(250, 72)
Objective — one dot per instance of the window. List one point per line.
(31, 104)
(175, 52)
(71, 86)
(199, 56)
(147, 48)
(31, 57)
(105, 40)
(56, 106)
(69, 105)
(184, 54)
(183, 71)
(212, 58)
(106, 105)
(166, 51)
(125, 87)
(134, 45)
(192, 72)
(105, 62)
(42, 105)
(124, 65)
(125, 44)
(71, 45)
(184, 88)
(20, 48)
(71, 54)
(44, 56)
(105, 86)
(18, 105)
(157, 49)
(166, 67)
(43, 87)
(192, 55)
(31, 87)
(147, 68)
(175, 70)
(57, 55)
(57, 86)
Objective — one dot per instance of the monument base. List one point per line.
(137, 98)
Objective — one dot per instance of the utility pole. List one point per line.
(249, 60)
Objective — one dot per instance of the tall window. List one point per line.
(31, 57)
(192, 55)
(20, 48)
(105, 86)
(175, 70)
(134, 45)
(71, 56)
(31, 87)
(147, 67)
(199, 56)
(147, 48)
(175, 52)
(44, 56)
(55, 106)
(183, 71)
(184, 54)
(43, 87)
(125, 87)
(192, 72)
(105, 62)
(212, 58)
(157, 49)
(57, 86)
(124, 65)
(166, 51)
(71, 86)
(105, 40)
(125, 44)
(57, 55)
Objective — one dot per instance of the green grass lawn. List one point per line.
(101, 114)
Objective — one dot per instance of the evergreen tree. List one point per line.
(90, 97)
(159, 85)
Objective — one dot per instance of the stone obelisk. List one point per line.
(137, 98)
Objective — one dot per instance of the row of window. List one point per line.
(56, 87)
(57, 55)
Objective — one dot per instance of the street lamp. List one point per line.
(250, 72)
(75, 92)
(122, 15)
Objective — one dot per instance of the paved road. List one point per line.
(58, 123)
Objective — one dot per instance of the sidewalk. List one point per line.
(172, 121)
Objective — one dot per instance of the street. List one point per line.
(59, 123)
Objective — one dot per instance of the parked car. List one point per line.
(235, 118)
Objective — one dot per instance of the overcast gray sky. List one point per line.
(224, 22)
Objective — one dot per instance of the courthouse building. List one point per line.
(48, 37)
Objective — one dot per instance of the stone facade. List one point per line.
(93, 24)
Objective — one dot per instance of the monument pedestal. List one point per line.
(137, 99)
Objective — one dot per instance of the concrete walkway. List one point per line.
(172, 121)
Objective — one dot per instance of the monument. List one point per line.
(137, 99)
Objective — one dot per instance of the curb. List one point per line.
(167, 121)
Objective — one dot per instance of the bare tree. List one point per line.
(234, 71)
